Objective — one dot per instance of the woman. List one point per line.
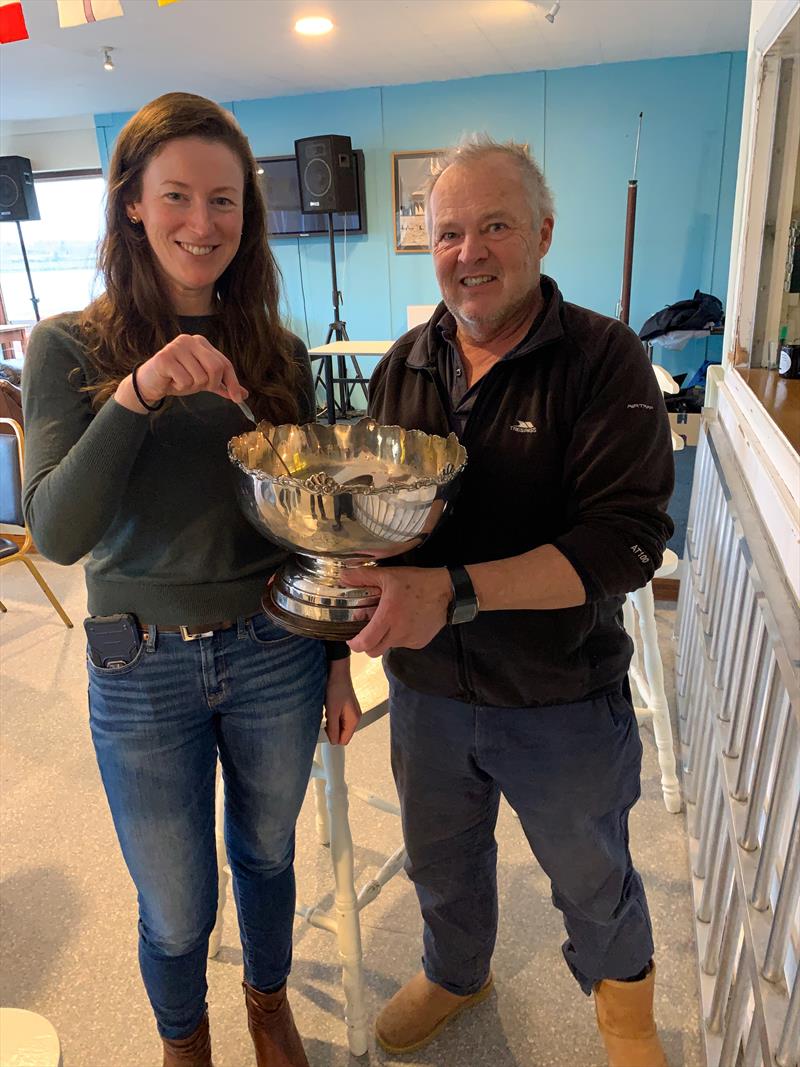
(129, 406)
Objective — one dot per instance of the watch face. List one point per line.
(464, 611)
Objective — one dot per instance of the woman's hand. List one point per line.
(187, 365)
(342, 710)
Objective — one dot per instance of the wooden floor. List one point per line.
(781, 398)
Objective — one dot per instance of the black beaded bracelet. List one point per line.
(140, 398)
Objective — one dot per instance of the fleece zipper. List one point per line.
(462, 670)
(461, 660)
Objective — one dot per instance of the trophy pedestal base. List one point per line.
(306, 599)
(295, 624)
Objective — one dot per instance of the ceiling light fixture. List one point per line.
(314, 26)
(108, 63)
(554, 10)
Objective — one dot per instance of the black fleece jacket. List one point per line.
(568, 444)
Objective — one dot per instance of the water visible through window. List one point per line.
(61, 248)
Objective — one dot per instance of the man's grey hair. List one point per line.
(475, 147)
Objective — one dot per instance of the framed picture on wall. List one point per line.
(410, 171)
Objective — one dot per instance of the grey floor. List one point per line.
(68, 942)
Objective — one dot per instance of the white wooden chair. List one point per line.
(647, 672)
(333, 829)
(648, 679)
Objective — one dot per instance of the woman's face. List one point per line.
(191, 207)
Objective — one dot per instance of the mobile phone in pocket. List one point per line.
(114, 640)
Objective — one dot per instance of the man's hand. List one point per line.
(411, 611)
(342, 710)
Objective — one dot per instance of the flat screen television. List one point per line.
(282, 193)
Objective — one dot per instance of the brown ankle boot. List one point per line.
(625, 1020)
(418, 1011)
(272, 1029)
(192, 1051)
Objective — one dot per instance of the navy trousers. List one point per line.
(571, 773)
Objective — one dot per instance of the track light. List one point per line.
(554, 10)
(108, 63)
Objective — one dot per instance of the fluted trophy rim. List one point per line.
(326, 434)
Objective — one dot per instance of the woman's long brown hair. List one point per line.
(134, 318)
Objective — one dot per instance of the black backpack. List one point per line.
(699, 313)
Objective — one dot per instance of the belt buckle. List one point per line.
(186, 636)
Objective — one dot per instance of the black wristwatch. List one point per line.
(464, 605)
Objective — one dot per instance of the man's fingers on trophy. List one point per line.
(332, 728)
(358, 577)
(371, 639)
(364, 614)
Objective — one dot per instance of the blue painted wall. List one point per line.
(581, 125)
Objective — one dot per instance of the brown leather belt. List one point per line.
(192, 633)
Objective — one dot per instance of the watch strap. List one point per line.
(464, 605)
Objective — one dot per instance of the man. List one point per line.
(507, 658)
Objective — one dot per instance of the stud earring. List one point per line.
(134, 220)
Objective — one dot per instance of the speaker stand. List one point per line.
(34, 298)
(337, 330)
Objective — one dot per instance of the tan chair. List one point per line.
(12, 465)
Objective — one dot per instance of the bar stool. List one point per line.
(333, 828)
(331, 794)
(648, 677)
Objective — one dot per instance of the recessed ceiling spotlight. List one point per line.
(314, 26)
(554, 10)
(108, 62)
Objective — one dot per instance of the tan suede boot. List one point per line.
(272, 1029)
(625, 1020)
(192, 1051)
(418, 1011)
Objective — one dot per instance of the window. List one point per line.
(61, 247)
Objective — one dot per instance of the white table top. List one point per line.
(352, 348)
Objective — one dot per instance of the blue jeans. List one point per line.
(571, 773)
(254, 695)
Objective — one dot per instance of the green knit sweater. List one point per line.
(150, 498)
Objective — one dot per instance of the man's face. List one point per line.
(486, 249)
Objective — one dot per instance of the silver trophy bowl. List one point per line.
(336, 496)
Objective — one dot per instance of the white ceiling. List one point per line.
(245, 49)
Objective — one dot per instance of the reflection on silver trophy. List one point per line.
(342, 495)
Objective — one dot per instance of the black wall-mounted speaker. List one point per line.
(17, 192)
(326, 173)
